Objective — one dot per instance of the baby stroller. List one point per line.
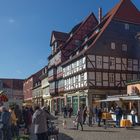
(52, 130)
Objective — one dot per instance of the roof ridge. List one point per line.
(82, 23)
(59, 32)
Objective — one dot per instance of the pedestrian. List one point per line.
(96, 114)
(104, 117)
(118, 112)
(48, 108)
(133, 114)
(6, 121)
(84, 114)
(14, 127)
(90, 115)
(79, 118)
(65, 111)
(39, 121)
(70, 111)
(27, 117)
(99, 115)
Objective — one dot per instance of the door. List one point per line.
(75, 104)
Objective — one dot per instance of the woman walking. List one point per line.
(79, 118)
(84, 114)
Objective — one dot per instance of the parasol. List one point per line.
(3, 97)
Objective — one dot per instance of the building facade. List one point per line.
(28, 85)
(45, 87)
(55, 73)
(13, 88)
(107, 58)
(63, 45)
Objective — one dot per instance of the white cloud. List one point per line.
(11, 20)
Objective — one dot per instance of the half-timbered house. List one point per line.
(107, 57)
(62, 45)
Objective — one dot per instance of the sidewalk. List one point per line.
(94, 132)
(97, 133)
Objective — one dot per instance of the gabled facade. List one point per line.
(55, 71)
(62, 48)
(107, 58)
(28, 86)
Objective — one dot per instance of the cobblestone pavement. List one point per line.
(95, 133)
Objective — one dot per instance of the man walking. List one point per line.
(6, 121)
(39, 121)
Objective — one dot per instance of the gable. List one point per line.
(53, 39)
(128, 12)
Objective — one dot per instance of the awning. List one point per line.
(130, 98)
(110, 99)
(118, 98)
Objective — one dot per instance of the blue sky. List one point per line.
(26, 26)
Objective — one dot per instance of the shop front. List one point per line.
(76, 100)
(57, 104)
(126, 103)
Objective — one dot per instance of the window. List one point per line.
(99, 61)
(97, 30)
(77, 42)
(55, 46)
(113, 45)
(70, 57)
(129, 77)
(86, 39)
(112, 61)
(124, 47)
(77, 52)
(85, 47)
(82, 77)
(76, 80)
(71, 34)
(98, 77)
(126, 25)
(111, 77)
(80, 62)
(129, 63)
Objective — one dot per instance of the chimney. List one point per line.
(100, 15)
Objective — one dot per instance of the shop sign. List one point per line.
(98, 96)
(134, 91)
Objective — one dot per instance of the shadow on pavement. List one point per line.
(100, 131)
(72, 128)
(135, 129)
(63, 136)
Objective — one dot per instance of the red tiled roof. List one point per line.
(12, 83)
(120, 12)
(61, 36)
(128, 12)
(81, 25)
